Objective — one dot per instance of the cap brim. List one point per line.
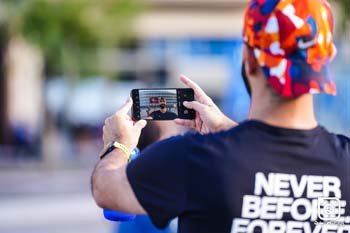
(293, 76)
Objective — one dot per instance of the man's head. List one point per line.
(289, 44)
(162, 103)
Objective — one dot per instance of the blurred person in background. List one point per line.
(279, 171)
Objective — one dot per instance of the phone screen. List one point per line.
(162, 104)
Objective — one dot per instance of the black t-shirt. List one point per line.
(158, 115)
(252, 178)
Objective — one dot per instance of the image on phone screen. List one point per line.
(161, 104)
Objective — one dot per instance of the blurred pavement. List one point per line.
(38, 201)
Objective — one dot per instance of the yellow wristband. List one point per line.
(123, 148)
(119, 146)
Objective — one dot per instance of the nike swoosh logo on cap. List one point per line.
(306, 44)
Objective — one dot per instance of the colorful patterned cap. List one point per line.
(293, 43)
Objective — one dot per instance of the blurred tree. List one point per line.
(69, 32)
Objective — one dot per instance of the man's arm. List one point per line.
(109, 183)
(110, 186)
(156, 182)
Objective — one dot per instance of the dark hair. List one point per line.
(276, 97)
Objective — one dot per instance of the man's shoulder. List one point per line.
(340, 141)
(171, 113)
(156, 112)
(230, 136)
(344, 139)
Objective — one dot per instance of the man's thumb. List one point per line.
(194, 105)
(141, 124)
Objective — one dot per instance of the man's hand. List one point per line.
(109, 183)
(120, 127)
(209, 118)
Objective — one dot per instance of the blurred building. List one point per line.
(191, 18)
(188, 36)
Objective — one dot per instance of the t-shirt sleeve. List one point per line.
(158, 179)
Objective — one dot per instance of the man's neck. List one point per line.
(163, 110)
(294, 113)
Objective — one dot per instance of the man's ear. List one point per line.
(250, 61)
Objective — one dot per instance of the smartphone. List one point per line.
(161, 104)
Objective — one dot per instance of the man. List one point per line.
(277, 172)
(163, 113)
